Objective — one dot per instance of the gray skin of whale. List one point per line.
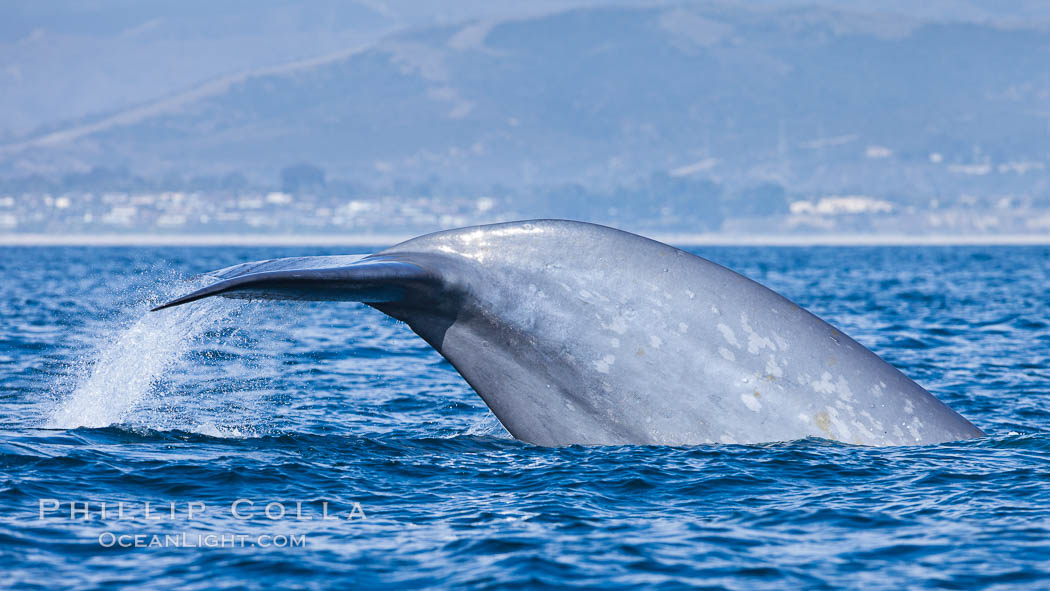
(575, 333)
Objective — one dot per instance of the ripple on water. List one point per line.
(333, 403)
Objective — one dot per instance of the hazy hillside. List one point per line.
(947, 104)
(65, 59)
(611, 92)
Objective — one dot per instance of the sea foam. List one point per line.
(125, 367)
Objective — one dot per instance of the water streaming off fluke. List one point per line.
(128, 364)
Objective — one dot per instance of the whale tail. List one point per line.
(372, 280)
(577, 333)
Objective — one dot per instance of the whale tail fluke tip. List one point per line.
(369, 281)
(214, 289)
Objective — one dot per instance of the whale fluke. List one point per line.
(369, 280)
(575, 333)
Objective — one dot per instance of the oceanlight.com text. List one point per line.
(200, 540)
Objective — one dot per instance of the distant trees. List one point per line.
(692, 203)
(661, 199)
(100, 179)
(302, 177)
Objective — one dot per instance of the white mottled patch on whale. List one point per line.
(727, 354)
(772, 369)
(751, 401)
(913, 429)
(841, 429)
(875, 423)
(726, 438)
(842, 386)
(728, 334)
(825, 385)
(603, 364)
(755, 341)
(618, 325)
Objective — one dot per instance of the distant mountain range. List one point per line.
(948, 101)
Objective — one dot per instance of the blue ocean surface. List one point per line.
(245, 424)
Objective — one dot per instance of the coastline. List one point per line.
(677, 239)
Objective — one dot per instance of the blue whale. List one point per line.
(575, 333)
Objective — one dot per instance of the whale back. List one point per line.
(575, 333)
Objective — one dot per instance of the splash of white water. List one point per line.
(126, 368)
(488, 426)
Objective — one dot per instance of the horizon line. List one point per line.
(380, 239)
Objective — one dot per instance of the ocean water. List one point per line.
(244, 425)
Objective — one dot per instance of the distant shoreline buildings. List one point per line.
(686, 210)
